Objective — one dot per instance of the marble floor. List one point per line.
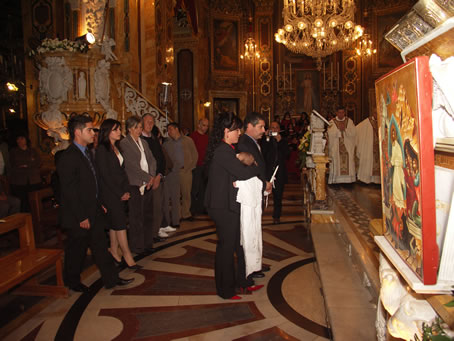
(173, 296)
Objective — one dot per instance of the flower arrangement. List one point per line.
(303, 148)
(51, 45)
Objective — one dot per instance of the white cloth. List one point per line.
(349, 139)
(398, 180)
(250, 197)
(365, 152)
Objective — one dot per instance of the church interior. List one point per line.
(355, 255)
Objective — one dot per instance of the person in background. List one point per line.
(8, 203)
(276, 152)
(25, 174)
(220, 200)
(341, 147)
(159, 233)
(286, 121)
(114, 189)
(183, 153)
(199, 178)
(140, 167)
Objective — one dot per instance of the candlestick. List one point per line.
(338, 79)
(283, 75)
(291, 76)
(331, 74)
(323, 71)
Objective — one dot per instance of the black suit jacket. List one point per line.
(78, 188)
(156, 149)
(224, 169)
(275, 154)
(246, 144)
(112, 178)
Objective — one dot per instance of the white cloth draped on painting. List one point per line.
(250, 197)
(367, 152)
(341, 146)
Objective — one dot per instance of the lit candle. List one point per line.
(331, 74)
(283, 75)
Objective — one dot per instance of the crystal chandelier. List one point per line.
(364, 47)
(318, 28)
(250, 49)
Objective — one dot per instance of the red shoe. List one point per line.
(255, 287)
(236, 297)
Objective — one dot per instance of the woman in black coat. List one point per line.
(114, 189)
(220, 201)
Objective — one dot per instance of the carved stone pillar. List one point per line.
(320, 181)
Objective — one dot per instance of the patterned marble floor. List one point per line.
(173, 296)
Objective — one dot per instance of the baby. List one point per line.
(246, 158)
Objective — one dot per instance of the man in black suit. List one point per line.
(275, 151)
(254, 124)
(82, 214)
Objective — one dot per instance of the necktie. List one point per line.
(90, 162)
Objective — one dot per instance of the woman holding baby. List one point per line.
(220, 200)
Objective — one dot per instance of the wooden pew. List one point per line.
(23, 264)
(44, 214)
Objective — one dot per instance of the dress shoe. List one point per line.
(168, 229)
(158, 239)
(134, 267)
(123, 281)
(265, 268)
(190, 218)
(236, 297)
(257, 274)
(80, 288)
(177, 226)
(150, 250)
(162, 234)
(251, 289)
(276, 221)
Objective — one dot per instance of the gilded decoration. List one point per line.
(227, 7)
(350, 75)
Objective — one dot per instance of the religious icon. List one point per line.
(403, 98)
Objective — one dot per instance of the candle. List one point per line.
(331, 74)
(283, 75)
(323, 71)
(338, 79)
(277, 77)
(290, 75)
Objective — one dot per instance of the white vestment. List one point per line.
(341, 146)
(366, 153)
(250, 197)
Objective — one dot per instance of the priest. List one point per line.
(341, 146)
(367, 150)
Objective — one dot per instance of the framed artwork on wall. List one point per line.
(387, 56)
(221, 105)
(404, 113)
(225, 45)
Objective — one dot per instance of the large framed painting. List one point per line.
(221, 105)
(387, 56)
(404, 112)
(225, 46)
(307, 90)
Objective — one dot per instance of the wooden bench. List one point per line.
(23, 264)
(44, 213)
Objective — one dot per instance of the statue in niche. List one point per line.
(82, 82)
(102, 88)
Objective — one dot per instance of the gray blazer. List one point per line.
(131, 154)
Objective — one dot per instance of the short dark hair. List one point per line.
(340, 107)
(77, 122)
(173, 124)
(253, 118)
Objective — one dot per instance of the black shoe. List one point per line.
(156, 240)
(265, 268)
(190, 218)
(134, 267)
(150, 250)
(118, 263)
(123, 281)
(80, 288)
(176, 226)
(276, 221)
(257, 274)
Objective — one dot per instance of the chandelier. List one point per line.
(318, 28)
(250, 49)
(364, 47)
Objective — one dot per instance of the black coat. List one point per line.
(112, 178)
(275, 154)
(225, 169)
(246, 144)
(78, 188)
(156, 149)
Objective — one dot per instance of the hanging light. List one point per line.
(318, 28)
(364, 47)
